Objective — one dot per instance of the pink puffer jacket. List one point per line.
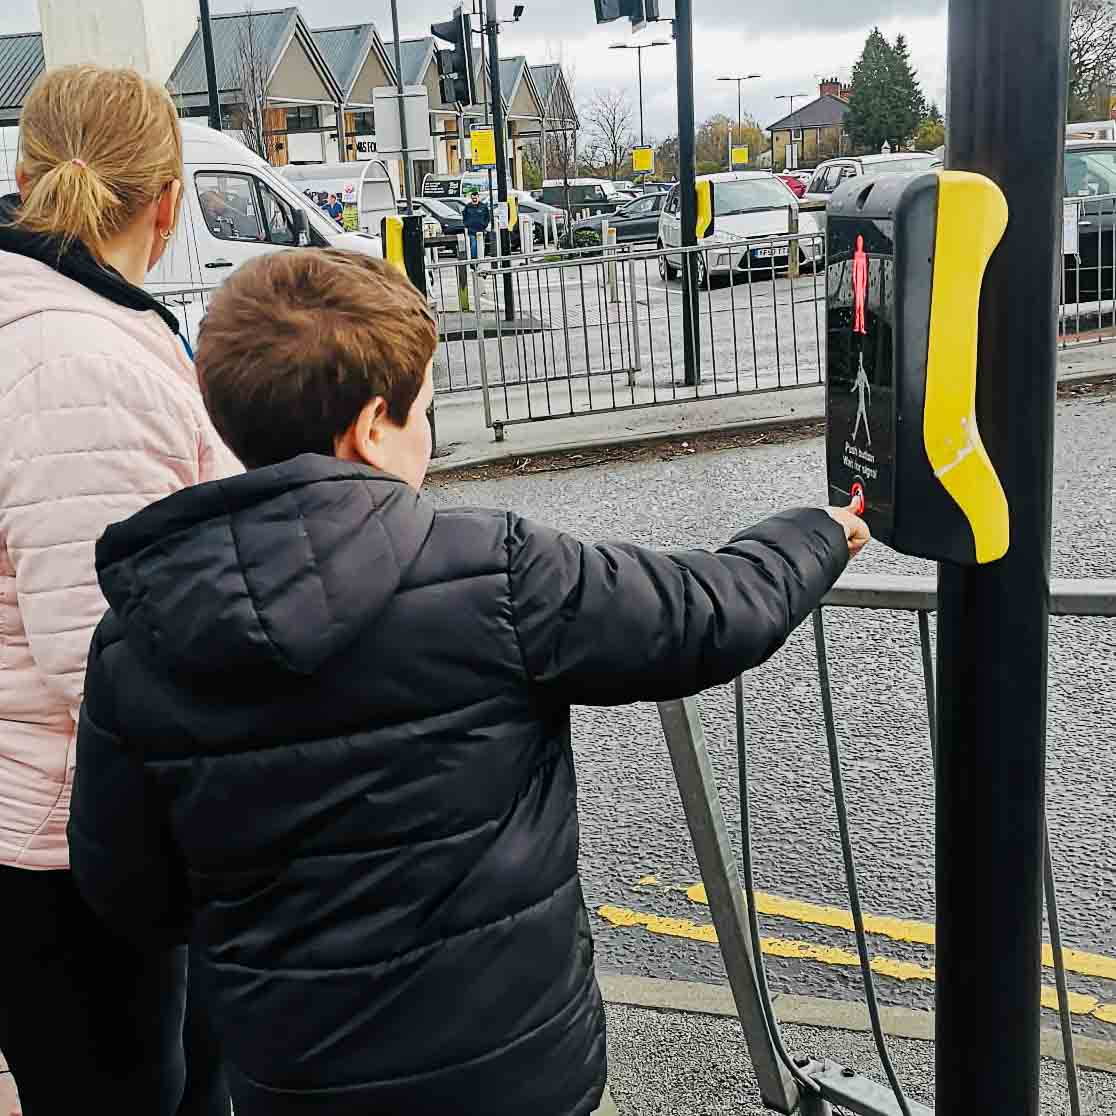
(100, 414)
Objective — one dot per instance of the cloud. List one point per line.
(792, 44)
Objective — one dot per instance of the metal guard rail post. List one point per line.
(810, 1086)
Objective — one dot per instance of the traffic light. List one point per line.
(455, 66)
(640, 12)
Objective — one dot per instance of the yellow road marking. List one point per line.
(1079, 1004)
(900, 929)
(776, 947)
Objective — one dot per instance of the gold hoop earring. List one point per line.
(166, 234)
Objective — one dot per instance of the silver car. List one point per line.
(829, 175)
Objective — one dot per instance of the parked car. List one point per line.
(745, 206)
(536, 210)
(234, 208)
(830, 174)
(793, 183)
(1092, 130)
(1090, 193)
(654, 187)
(634, 220)
(578, 195)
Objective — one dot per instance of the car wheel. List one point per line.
(702, 272)
(666, 271)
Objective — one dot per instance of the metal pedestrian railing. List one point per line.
(803, 1084)
(600, 330)
(1088, 280)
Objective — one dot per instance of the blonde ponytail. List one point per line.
(96, 147)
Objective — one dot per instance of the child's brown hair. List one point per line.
(295, 344)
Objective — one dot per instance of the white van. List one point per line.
(234, 208)
(365, 189)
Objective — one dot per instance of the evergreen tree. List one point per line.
(886, 104)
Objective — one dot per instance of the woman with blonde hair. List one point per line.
(100, 414)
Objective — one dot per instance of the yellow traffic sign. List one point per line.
(740, 156)
(643, 160)
(483, 141)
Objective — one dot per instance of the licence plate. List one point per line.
(767, 253)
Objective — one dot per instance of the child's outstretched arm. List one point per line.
(610, 624)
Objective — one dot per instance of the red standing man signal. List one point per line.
(860, 286)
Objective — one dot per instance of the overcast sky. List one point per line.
(791, 43)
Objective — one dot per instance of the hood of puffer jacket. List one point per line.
(274, 571)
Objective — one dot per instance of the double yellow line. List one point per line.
(897, 929)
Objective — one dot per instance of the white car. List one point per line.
(748, 211)
(829, 175)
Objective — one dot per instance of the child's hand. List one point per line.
(856, 530)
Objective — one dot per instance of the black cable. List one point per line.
(850, 866)
(1060, 977)
(750, 896)
(928, 678)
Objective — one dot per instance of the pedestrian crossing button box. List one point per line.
(906, 257)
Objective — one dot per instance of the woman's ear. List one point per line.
(166, 209)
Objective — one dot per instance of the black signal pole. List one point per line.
(1007, 63)
(210, 66)
(687, 187)
(492, 27)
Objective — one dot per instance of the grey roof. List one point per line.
(273, 31)
(345, 50)
(21, 62)
(414, 56)
(511, 74)
(825, 112)
(546, 77)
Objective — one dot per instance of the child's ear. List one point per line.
(362, 442)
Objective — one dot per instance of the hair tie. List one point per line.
(80, 163)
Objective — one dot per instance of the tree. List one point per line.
(715, 135)
(1092, 58)
(253, 71)
(666, 158)
(609, 117)
(886, 103)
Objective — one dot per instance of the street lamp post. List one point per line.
(639, 48)
(786, 97)
(739, 79)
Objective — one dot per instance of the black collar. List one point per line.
(75, 261)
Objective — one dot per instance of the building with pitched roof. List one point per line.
(21, 62)
(817, 129)
(301, 95)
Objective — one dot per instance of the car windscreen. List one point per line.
(748, 195)
(900, 166)
(1089, 173)
(440, 209)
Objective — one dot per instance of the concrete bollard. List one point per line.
(463, 273)
(608, 240)
(792, 245)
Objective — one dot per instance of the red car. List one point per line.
(795, 185)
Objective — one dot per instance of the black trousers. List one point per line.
(90, 1023)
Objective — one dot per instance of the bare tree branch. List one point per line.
(253, 69)
(609, 116)
(1092, 57)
